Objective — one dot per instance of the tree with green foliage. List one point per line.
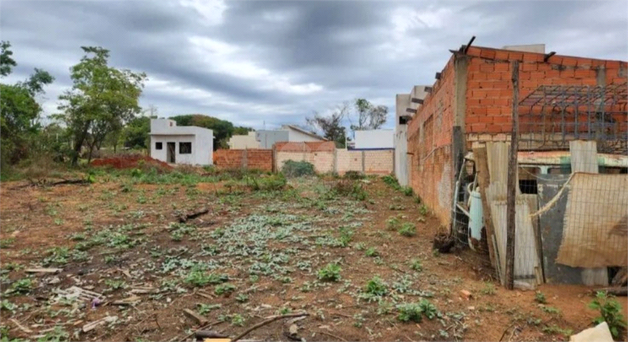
(223, 129)
(241, 130)
(6, 61)
(20, 112)
(136, 133)
(369, 116)
(101, 101)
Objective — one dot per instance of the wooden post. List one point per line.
(512, 181)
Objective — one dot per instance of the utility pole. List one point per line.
(512, 181)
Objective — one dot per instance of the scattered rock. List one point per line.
(93, 325)
(193, 315)
(53, 281)
(466, 294)
(43, 270)
(599, 333)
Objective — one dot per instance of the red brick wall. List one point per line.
(488, 110)
(257, 159)
(489, 85)
(429, 144)
(314, 146)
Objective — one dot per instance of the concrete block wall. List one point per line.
(254, 159)
(348, 160)
(379, 162)
(320, 154)
(370, 162)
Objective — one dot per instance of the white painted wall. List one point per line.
(401, 140)
(165, 131)
(297, 136)
(377, 138)
(241, 142)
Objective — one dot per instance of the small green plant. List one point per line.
(554, 329)
(284, 310)
(391, 181)
(23, 285)
(242, 298)
(331, 272)
(346, 234)
(203, 309)
(429, 309)
(57, 335)
(6, 243)
(371, 252)
(237, 319)
(6, 305)
(539, 297)
(409, 312)
(376, 287)
(360, 246)
(416, 265)
(116, 284)
(77, 237)
(359, 320)
(198, 278)
(224, 289)
(489, 289)
(392, 223)
(550, 310)
(423, 210)
(415, 311)
(110, 259)
(407, 191)
(407, 229)
(610, 312)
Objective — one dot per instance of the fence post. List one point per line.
(335, 168)
(512, 181)
(245, 159)
(363, 168)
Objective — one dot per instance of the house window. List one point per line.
(185, 148)
(159, 146)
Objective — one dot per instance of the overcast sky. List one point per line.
(253, 61)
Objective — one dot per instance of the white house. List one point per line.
(374, 139)
(297, 134)
(180, 144)
(267, 138)
(241, 142)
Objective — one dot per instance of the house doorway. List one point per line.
(171, 153)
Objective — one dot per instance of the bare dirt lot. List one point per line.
(356, 255)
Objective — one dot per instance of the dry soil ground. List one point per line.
(256, 253)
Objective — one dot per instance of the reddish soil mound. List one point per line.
(130, 161)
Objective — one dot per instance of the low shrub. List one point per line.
(349, 188)
(331, 272)
(610, 312)
(376, 287)
(407, 229)
(267, 183)
(293, 168)
(415, 311)
(354, 175)
(391, 181)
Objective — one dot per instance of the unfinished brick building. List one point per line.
(471, 102)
